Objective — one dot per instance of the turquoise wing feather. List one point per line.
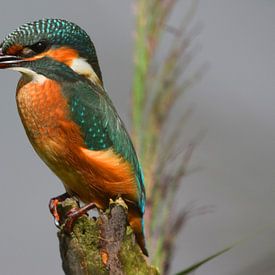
(102, 128)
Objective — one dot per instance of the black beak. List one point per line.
(7, 61)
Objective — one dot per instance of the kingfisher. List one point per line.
(70, 120)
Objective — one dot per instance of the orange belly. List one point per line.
(92, 176)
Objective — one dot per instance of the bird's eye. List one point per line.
(39, 47)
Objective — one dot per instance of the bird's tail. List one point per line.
(136, 223)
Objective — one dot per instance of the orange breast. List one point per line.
(94, 176)
(44, 114)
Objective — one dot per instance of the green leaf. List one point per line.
(199, 264)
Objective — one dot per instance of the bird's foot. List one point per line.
(53, 207)
(74, 214)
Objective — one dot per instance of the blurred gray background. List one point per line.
(234, 102)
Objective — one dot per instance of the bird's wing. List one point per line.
(102, 128)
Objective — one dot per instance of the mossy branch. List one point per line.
(105, 245)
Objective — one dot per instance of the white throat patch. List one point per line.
(82, 67)
(79, 65)
(39, 78)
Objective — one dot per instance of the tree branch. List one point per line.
(105, 245)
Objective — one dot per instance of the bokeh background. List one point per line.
(234, 103)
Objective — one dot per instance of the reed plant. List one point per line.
(159, 83)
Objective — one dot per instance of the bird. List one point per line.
(71, 121)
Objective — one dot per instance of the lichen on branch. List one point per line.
(103, 245)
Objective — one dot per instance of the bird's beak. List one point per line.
(7, 61)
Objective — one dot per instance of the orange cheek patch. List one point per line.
(14, 49)
(63, 54)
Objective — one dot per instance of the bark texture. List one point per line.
(105, 245)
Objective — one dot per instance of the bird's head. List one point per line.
(45, 45)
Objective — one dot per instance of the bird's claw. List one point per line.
(72, 216)
(53, 208)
